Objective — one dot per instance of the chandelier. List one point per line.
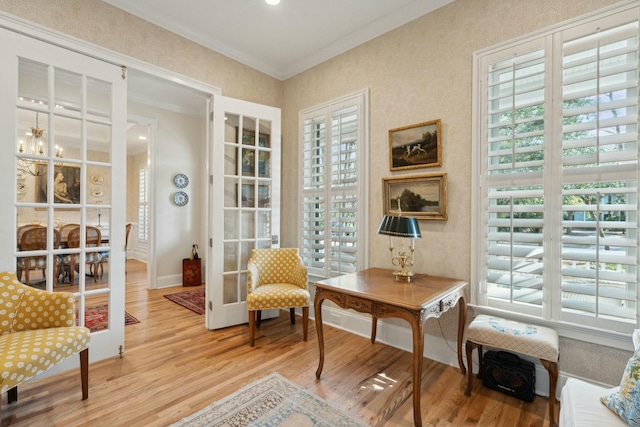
(36, 148)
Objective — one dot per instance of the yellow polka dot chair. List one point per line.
(37, 331)
(276, 279)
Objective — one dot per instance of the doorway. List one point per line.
(173, 118)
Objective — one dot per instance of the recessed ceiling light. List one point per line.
(272, 2)
(142, 137)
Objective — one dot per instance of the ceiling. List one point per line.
(281, 40)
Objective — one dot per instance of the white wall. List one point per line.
(180, 149)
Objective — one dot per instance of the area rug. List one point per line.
(193, 299)
(97, 319)
(270, 401)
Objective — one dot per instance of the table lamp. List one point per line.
(401, 226)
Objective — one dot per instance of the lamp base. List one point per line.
(404, 276)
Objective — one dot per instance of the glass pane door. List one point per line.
(246, 149)
(69, 112)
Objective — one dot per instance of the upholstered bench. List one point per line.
(37, 331)
(531, 340)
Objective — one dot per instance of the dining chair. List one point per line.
(21, 231)
(276, 279)
(64, 233)
(34, 239)
(93, 238)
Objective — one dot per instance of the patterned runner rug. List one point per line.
(193, 299)
(96, 318)
(270, 401)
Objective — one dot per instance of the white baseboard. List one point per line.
(169, 281)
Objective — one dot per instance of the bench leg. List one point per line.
(552, 368)
(469, 347)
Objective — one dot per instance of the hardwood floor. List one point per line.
(173, 366)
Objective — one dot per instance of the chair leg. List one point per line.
(258, 317)
(305, 322)
(84, 372)
(292, 315)
(12, 395)
(252, 327)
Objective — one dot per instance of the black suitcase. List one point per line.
(508, 373)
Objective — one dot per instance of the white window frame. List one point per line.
(549, 312)
(360, 101)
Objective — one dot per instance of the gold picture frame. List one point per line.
(420, 196)
(415, 146)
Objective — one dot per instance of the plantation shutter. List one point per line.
(331, 147)
(557, 145)
(600, 174)
(314, 206)
(143, 206)
(514, 205)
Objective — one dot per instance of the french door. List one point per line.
(244, 202)
(63, 127)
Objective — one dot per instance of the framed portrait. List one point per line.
(419, 196)
(66, 184)
(249, 138)
(248, 196)
(249, 154)
(415, 146)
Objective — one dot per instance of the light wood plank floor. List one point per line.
(173, 366)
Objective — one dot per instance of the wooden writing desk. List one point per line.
(375, 291)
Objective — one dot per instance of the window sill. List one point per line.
(614, 339)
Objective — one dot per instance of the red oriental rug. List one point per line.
(97, 319)
(193, 299)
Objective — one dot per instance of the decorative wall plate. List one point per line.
(21, 189)
(20, 175)
(181, 180)
(181, 198)
(97, 192)
(97, 179)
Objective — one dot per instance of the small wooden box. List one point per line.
(191, 272)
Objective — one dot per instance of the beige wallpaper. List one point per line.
(422, 71)
(418, 72)
(102, 24)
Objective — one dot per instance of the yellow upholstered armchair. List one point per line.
(37, 331)
(276, 279)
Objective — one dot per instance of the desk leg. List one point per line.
(374, 328)
(417, 325)
(317, 307)
(462, 321)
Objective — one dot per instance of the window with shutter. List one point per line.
(333, 142)
(143, 206)
(556, 149)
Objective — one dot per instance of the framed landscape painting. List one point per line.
(419, 196)
(415, 146)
